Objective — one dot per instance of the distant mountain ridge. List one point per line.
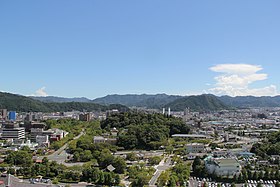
(26, 104)
(251, 101)
(54, 99)
(158, 101)
(205, 102)
(143, 100)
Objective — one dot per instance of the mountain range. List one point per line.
(26, 104)
(157, 101)
(162, 100)
(205, 102)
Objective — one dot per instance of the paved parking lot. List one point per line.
(199, 182)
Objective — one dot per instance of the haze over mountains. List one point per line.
(157, 101)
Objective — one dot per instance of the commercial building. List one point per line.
(13, 133)
(12, 115)
(53, 134)
(35, 132)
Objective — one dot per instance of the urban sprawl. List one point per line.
(141, 147)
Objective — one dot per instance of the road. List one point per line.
(60, 156)
(159, 169)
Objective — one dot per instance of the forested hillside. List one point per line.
(144, 131)
(25, 104)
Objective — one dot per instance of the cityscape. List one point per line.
(140, 146)
(150, 93)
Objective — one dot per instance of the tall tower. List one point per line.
(169, 111)
(163, 111)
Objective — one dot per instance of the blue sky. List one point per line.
(93, 48)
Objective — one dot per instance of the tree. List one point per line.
(85, 156)
(19, 158)
(172, 182)
(266, 175)
(25, 148)
(140, 180)
(154, 160)
(233, 185)
(55, 181)
(196, 164)
(119, 164)
(163, 179)
(277, 175)
(105, 159)
(240, 178)
(169, 149)
(255, 176)
(261, 175)
(108, 178)
(131, 156)
(277, 184)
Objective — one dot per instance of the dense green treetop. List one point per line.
(142, 130)
(270, 146)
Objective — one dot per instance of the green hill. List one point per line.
(205, 102)
(26, 104)
(144, 100)
(251, 101)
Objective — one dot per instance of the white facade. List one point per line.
(13, 133)
(98, 139)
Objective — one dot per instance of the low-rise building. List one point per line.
(195, 148)
(222, 166)
(101, 139)
(43, 141)
(98, 139)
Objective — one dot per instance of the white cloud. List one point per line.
(236, 68)
(236, 78)
(41, 92)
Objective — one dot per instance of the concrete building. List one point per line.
(98, 139)
(43, 141)
(35, 132)
(85, 117)
(222, 166)
(53, 134)
(101, 139)
(195, 148)
(58, 134)
(13, 133)
(3, 114)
